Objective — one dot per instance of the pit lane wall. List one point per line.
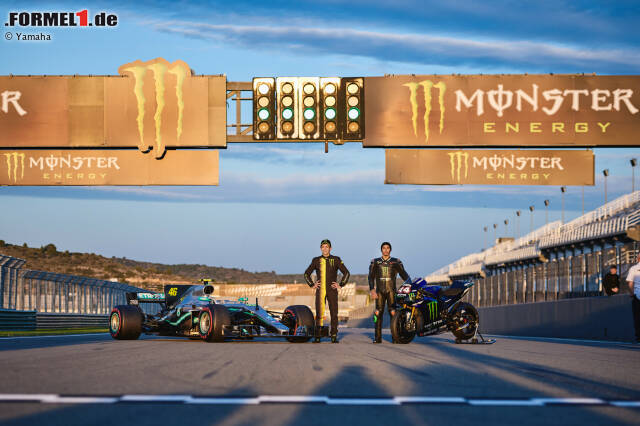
(596, 318)
(599, 318)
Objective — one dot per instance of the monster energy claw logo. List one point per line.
(459, 160)
(413, 98)
(159, 67)
(433, 310)
(15, 161)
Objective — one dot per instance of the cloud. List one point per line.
(417, 48)
(150, 192)
(323, 180)
(585, 22)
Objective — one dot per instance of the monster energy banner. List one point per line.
(494, 167)
(502, 110)
(151, 105)
(107, 167)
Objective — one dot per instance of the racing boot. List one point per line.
(334, 338)
(378, 323)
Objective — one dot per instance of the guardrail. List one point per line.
(17, 320)
(32, 320)
(58, 321)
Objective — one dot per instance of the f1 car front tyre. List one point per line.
(213, 319)
(295, 316)
(125, 322)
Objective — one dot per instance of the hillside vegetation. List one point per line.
(147, 275)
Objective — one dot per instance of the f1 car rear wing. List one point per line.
(134, 298)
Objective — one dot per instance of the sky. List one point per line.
(276, 202)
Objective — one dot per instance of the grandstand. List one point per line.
(555, 261)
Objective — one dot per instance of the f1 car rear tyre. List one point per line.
(464, 321)
(295, 316)
(213, 319)
(125, 322)
(404, 327)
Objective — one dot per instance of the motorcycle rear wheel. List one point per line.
(464, 321)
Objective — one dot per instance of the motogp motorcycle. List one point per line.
(425, 310)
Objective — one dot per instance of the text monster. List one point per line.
(548, 101)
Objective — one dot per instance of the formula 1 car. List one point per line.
(192, 311)
(426, 310)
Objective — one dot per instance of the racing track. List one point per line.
(355, 382)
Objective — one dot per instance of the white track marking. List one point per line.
(362, 401)
(430, 399)
(628, 404)
(155, 398)
(309, 399)
(586, 401)
(25, 396)
(292, 398)
(80, 400)
(506, 402)
(224, 401)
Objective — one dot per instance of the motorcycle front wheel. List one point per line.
(403, 326)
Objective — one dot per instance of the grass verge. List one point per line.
(18, 333)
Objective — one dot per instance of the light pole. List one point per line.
(605, 172)
(518, 213)
(495, 234)
(485, 236)
(582, 200)
(634, 163)
(546, 212)
(506, 227)
(563, 189)
(531, 209)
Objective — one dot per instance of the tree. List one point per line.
(50, 249)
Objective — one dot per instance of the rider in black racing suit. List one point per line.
(382, 284)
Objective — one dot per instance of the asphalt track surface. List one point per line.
(157, 380)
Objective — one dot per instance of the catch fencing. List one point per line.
(51, 293)
(567, 274)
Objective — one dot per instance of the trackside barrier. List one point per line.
(58, 321)
(17, 320)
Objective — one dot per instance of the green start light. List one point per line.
(309, 114)
(330, 113)
(263, 114)
(353, 113)
(287, 113)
